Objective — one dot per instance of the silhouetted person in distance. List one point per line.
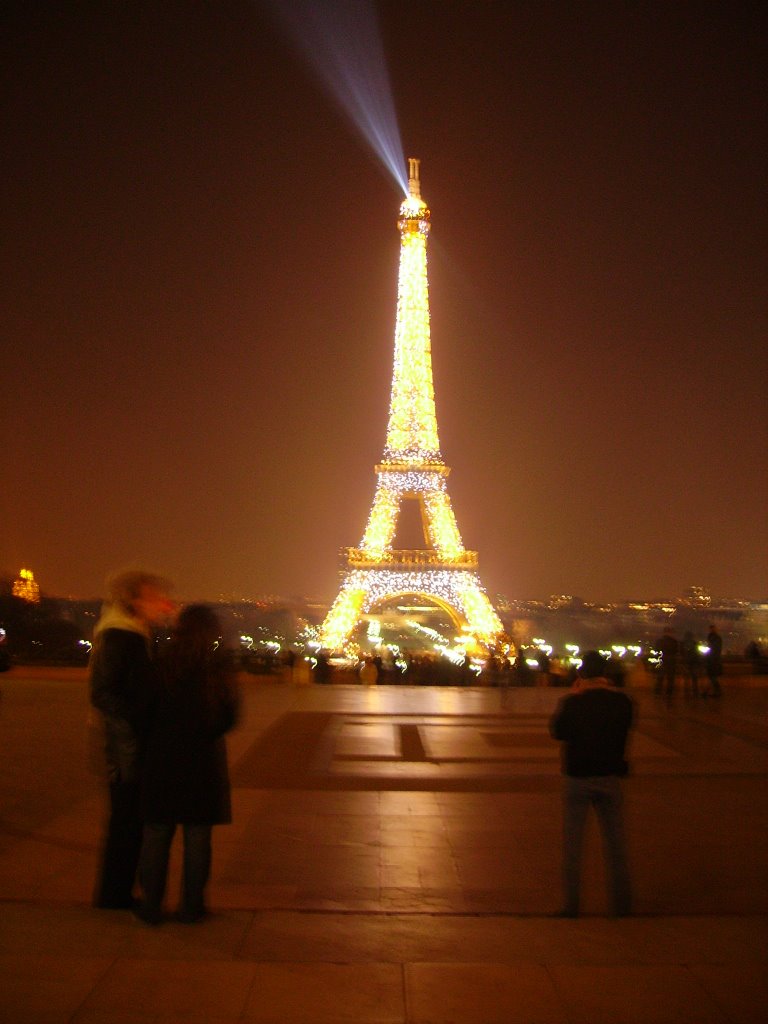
(544, 665)
(689, 651)
(490, 673)
(593, 723)
(467, 675)
(558, 672)
(523, 675)
(505, 673)
(185, 780)
(323, 669)
(369, 672)
(288, 661)
(123, 675)
(754, 655)
(615, 671)
(713, 661)
(668, 647)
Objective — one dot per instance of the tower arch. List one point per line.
(458, 620)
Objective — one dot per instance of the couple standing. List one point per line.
(164, 724)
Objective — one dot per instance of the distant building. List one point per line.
(697, 597)
(25, 587)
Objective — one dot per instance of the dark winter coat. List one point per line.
(123, 676)
(714, 659)
(185, 778)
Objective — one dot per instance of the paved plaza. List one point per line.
(394, 857)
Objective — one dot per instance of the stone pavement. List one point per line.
(393, 858)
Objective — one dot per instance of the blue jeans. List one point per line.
(603, 792)
(153, 867)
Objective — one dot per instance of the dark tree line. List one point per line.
(40, 631)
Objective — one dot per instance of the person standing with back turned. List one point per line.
(714, 661)
(185, 780)
(122, 676)
(593, 723)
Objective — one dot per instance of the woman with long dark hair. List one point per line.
(185, 780)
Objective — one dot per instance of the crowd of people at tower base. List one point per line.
(698, 666)
(694, 665)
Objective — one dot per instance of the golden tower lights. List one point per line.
(412, 468)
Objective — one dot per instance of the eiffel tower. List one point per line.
(412, 469)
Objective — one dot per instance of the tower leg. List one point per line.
(343, 617)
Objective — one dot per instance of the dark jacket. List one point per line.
(714, 660)
(123, 676)
(186, 779)
(594, 724)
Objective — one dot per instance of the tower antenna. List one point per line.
(414, 185)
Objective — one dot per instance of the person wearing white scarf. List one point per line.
(122, 672)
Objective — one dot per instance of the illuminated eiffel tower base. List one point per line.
(412, 469)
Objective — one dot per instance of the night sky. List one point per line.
(199, 287)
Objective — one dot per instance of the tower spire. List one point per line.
(414, 185)
(412, 469)
(412, 430)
